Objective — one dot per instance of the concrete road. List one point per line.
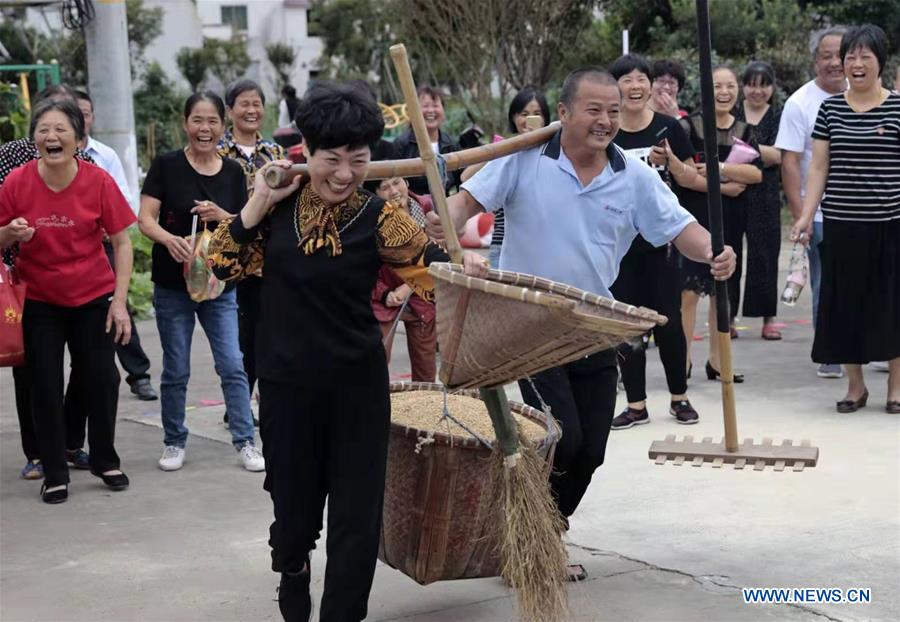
(660, 543)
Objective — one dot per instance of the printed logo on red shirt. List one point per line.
(55, 221)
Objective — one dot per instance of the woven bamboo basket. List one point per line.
(439, 506)
(512, 325)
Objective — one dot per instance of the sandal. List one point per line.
(770, 333)
(576, 572)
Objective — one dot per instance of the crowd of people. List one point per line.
(301, 289)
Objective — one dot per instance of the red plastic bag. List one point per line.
(12, 301)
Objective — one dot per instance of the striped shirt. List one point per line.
(864, 170)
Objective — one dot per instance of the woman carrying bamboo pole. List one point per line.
(324, 402)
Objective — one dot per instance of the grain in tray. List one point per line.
(422, 410)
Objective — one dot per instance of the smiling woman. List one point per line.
(58, 209)
(181, 187)
(324, 403)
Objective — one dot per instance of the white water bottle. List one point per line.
(798, 269)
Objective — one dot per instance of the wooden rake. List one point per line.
(728, 450)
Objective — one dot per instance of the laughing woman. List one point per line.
(734, 180)
(323, 379)
(180, 185)
(57, 208)
(855, 173)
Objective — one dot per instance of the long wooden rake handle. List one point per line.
(412, 167)
(716, 229)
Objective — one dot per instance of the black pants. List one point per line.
(134, 361)
(650, 279)
(582, 396)
(248, 293)
(22, 384)
(48, 329)
(327, 437)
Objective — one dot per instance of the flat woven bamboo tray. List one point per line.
(439, 503)
(512, 325)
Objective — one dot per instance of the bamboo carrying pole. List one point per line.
(412, 167)
(533, 556)
(697, 453)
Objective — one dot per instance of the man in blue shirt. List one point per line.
(573, 207)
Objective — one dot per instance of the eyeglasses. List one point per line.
(666, 82)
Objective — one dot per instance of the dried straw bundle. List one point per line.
(534, 556)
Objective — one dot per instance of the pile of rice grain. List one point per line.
(423, 410)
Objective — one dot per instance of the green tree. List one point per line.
(157, 114)
(282, 57)
(228, 58)
(144, 26)
(193, 63)
(356, 35)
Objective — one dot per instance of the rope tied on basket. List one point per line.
(446, 415)
(552, 434)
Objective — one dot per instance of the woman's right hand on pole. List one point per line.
(272, 196)
(179, 248)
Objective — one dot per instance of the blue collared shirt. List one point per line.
(561, 230)
(106, 158)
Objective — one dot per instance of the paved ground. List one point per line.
(660, 543)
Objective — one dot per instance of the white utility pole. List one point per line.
(109, 71)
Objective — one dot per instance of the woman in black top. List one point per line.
(179, 185)
(855, 173)
(763, 200)
(323, 380)
(648, 276)
(735, 179)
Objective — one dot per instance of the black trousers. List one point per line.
(327, 438)
(248, 299)
(48, 329)
(650, 279)
(22, 385)
(582, 396)
(134, 361)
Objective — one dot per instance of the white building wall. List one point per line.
(181, 27)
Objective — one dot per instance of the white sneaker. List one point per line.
(172, 458)
(252, 457)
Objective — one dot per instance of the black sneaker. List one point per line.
(684, 412)
(630, 417)
(294, 599)
(144, 390)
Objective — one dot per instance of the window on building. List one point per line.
(235, 16)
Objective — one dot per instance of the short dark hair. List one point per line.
(334, 115)
(66, 105)
(431, 92)
(524, 97)
(83, 96)
(866, 36)
(758, 70)
(55, 91)
(204, 96)
(573, 80)
(242, 86)
(288, 91)
(627, 63)
(668, 67)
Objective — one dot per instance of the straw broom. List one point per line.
(532, 552)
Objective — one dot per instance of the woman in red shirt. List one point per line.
(58, 209)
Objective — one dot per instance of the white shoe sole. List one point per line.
(677, 420)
